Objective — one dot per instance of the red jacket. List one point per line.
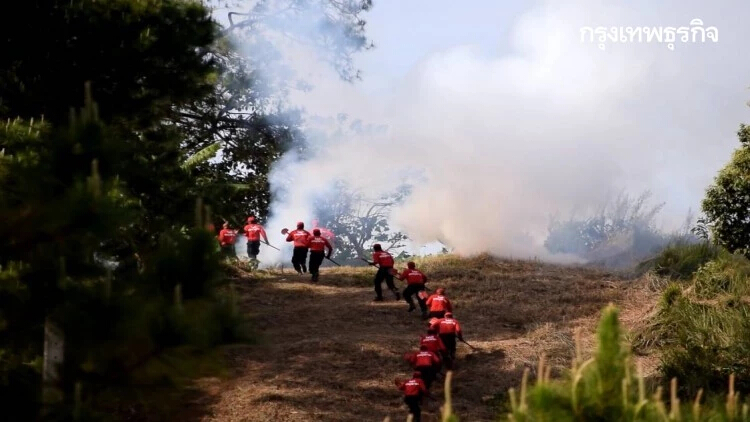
(433, 343)
(426, 359)
(438, 303)
(254, 232)
(319, 244)
(448, 326)
(382, 258)
(413, 388)
(299, 237)
(413, 276)
(227, 237)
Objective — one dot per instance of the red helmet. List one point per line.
(251, 219)
(440, 290)
(449, 314)
(316, 232)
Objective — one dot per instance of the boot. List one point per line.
(398, 294)
(304, 268)
(378, 299)
(411, 307)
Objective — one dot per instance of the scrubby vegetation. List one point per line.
(620, 234)
(608, 387)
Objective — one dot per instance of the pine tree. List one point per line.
(64, 264)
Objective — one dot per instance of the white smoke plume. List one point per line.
(544, 123)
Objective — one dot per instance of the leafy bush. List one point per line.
(704, 327)
(681, 260)
(727, 201)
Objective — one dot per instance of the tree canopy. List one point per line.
(727, 201)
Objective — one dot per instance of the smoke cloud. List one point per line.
(502, 116)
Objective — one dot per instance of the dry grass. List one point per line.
(329, 354)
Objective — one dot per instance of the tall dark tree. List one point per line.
(144, 60)
(100, 235)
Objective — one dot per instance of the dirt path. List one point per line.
(330, 354)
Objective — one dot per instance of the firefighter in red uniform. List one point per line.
(449, 329)
(439, 304)
(414, 392)
(300, 238)
(254, 232)
(325, 233)
(434, 343)
(427, 363)
(318, 246)
(415, 281)
(384, 261)
(227, 237)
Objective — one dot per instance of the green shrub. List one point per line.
(680, 261)
(608, 388)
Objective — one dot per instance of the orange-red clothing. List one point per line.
(382, 258)
(254, 232)
(319, 244)
(227, 237)
(426, 359)
(439, 303)
(448, 326)
(433, 343)
(413, 388)
(413, 276)
(299, 237)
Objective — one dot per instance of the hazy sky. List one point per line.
(511, 117)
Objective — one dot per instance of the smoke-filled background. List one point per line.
(498, 116)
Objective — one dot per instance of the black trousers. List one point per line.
(299, 256)
(228, 251)
(316, 259)
(428, 375)
(437, 314)
(413, 402)
(384, 273)
(414, 289)
(450, 343)
(253, 249)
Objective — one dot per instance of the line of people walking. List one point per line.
(304, 242)
(437, 351)
(437, 348)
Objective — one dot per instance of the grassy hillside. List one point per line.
(328, 353)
